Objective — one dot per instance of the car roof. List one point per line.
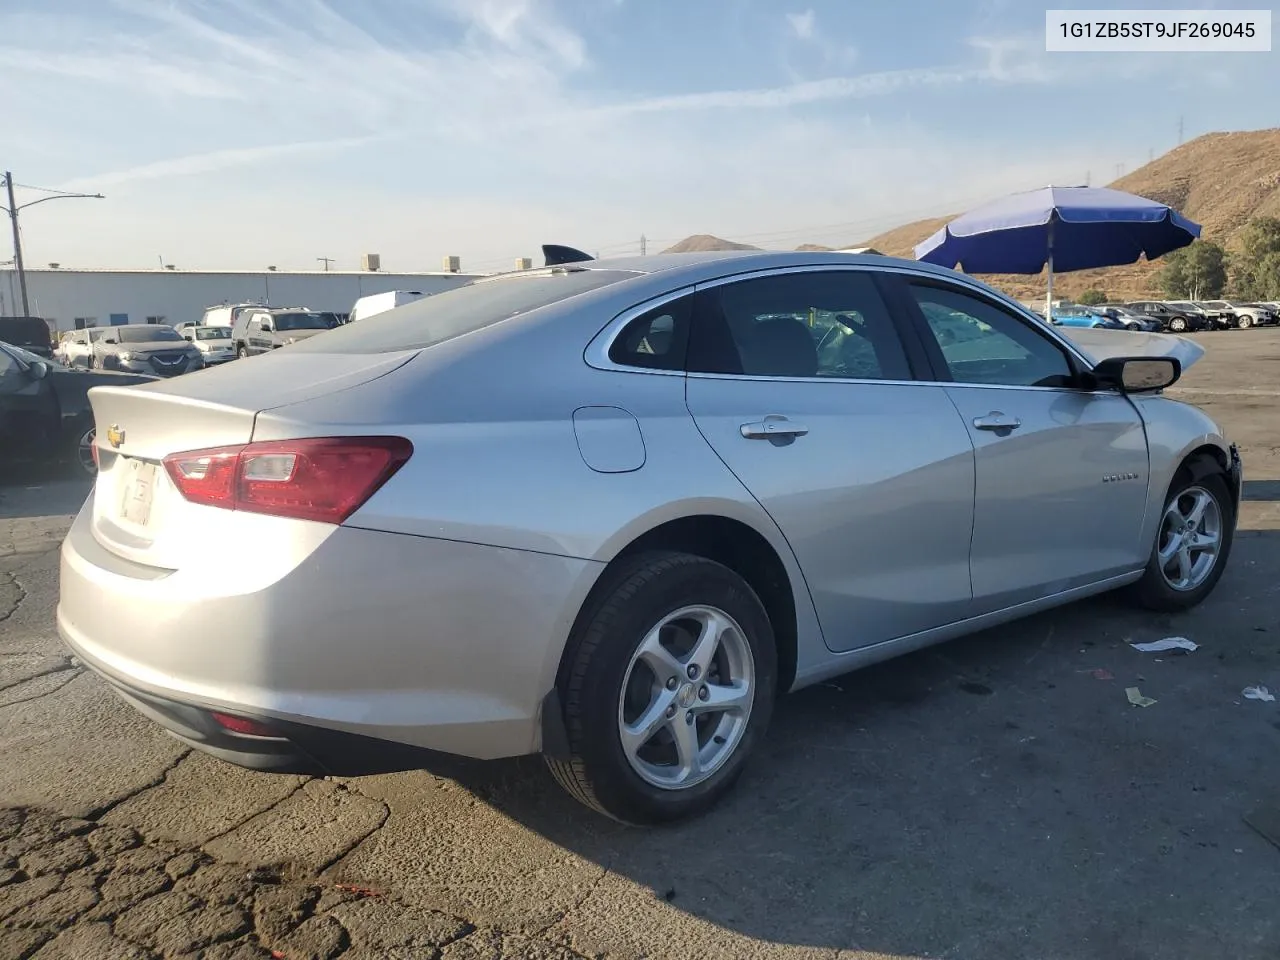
(693, 267)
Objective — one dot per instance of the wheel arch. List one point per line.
(1205, 460)
(740, 547)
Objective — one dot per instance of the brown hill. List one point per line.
(1219, 180)
(703, 242)
(813, 248)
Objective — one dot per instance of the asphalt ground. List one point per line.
(994, 797)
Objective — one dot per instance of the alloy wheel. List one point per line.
(84, 453)
(686, 697)
(1190, 539)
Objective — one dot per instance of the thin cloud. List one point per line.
(802, 24)
(212, 162)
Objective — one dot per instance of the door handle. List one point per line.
(773, 426)
(995, 420)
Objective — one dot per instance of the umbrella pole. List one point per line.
(1048, 296)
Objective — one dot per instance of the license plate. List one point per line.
(139, 492)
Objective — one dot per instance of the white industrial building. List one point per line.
(70, 298)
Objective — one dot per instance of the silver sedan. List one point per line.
(609, 511)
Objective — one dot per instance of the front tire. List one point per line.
(1192, 544)
(241, 352)
(667, 687)
(1178, 325)
(1244, 322)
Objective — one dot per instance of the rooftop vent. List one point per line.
(272, 268)
(371, 262)
(54, 266)
(524, 263)
(452, 264)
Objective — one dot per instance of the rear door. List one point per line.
(1061, 471)
(802, 385)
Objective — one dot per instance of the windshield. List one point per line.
(213, 333)
(147, 334)
(300, 321)
(462, 310)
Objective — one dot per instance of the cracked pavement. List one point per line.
(988, 798)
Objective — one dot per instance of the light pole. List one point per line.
(12, 210)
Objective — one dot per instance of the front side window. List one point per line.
(802, 324)
(982, 343)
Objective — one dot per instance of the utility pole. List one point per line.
(1088, 178)
(644, 245)
(17, 244)
(326, 261)
(12, 210)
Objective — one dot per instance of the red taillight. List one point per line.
(93, 451)
(251, 728)
(318, 478)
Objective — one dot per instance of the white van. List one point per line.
(225, 314)
(375, 303)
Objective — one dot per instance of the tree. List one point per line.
(1255, 270)
(1092, 297)
(1197, 272)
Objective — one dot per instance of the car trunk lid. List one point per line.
(138, 513)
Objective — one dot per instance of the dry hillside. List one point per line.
(1219, 180)
(702, 242)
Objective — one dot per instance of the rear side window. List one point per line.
(459, 311)
(655, 340)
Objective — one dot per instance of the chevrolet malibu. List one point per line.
(608, 511)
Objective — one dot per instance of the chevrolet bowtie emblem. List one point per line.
(115, 436)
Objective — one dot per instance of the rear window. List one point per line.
(213, 333)
(459, 311)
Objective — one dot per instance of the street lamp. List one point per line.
(12, 210)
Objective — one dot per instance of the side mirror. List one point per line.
(267, 326)
(1138, 374)
(39, 370)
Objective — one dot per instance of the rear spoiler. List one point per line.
(555, 254)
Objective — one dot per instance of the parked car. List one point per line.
(1066, 316)
(1131, 319)
(214, 343)
(154, 348)
(1190, 309)
(1174, 321)
(1220, 312)
(261, 331)
(375, 303)
(1253, 315)
(30, 333)
(608, 511)
(77, 346)
(45, 415)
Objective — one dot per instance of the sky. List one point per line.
(237, 134)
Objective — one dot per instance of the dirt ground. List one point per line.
(995, 797)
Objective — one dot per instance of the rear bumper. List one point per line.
(427, 643)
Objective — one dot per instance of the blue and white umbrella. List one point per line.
(1062, 228)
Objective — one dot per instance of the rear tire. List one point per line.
(1244, 322)
(690, 713)
(1183, 568)
(241, 352)
(78, 455)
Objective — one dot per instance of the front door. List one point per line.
(801, 384)
(1061, 471)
